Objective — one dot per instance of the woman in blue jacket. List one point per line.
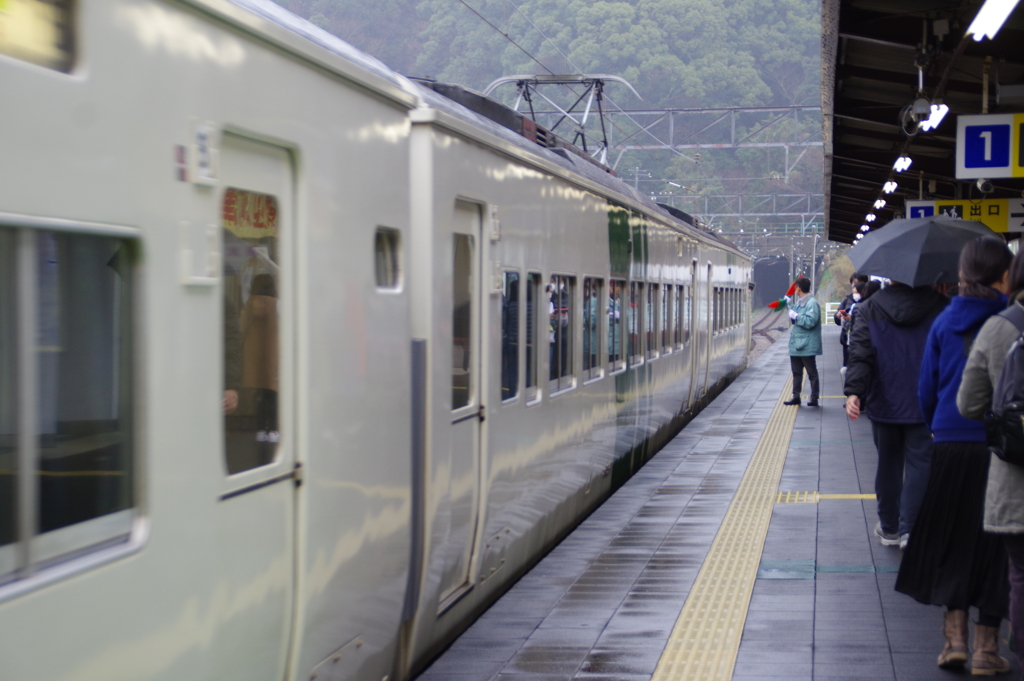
(949, 559)
(804, 340)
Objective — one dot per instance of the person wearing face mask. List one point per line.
(843, 315)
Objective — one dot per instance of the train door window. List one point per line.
(562, 297)
(592, 290)
(66, 421)
(251, 338)
(677, 316)
(616, 293)
(666, 318)
(510, 336)
(633, 328)
(687, 314)
(533, 296)
(651, 321)
(714, 309)
(462, 320)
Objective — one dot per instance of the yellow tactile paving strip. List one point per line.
(706, 637)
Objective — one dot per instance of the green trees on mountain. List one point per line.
(676, 53)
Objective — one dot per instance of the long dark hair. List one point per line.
(983, 262)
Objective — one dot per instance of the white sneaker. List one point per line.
(887, 539)
(904, 538)
(842, 372)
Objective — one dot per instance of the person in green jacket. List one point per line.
(804, 341)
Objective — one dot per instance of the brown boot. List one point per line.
(954, 628)
(986, 660)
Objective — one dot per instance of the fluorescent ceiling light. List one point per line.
(889, 187)
(901, 164)
(870, 217)
(879, 204)
(990, 18)
(939, 112)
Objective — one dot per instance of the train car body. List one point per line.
(301, 362)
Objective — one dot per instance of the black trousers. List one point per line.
(798, 364)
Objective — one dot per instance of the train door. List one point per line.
(467, 410)
(709, 329)
(693, 333)
(254, 516)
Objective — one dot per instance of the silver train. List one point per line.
(303, 363)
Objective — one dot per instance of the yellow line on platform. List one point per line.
(846, 496)
(814, 497)
(706, 637)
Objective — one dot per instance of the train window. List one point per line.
(38, 31)
(8, 399)
(651, 321)
(251, 339)
(510, 336)
(532, 329)
(616, 291)
(66, 442)
(462, 320)
(386, 258)
(633, 328)
(591, 327)
(562, 297)
(666, 326)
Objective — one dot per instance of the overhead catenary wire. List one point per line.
(507, 37)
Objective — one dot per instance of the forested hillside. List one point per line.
(676, 53)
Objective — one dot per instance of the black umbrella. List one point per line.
(916, 251)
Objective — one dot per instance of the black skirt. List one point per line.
(950, 560)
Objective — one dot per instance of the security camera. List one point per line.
(984, 186)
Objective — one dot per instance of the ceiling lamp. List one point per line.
(864, 228)
(938, 112)
(901, 164)
(990, 18)
(879, 204)
(860, 236)
(870, 217)
(889, 187)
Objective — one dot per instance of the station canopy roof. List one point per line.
(871, 52)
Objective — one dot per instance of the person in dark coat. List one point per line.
(886, 347)
(950, 560)
(842, 315)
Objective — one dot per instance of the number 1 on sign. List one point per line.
(987, 136)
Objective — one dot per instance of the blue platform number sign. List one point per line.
(922, 211)
(987, 146)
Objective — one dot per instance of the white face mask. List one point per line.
(856, 296)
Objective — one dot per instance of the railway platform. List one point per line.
(744, 550)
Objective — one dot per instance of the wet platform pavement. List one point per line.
(603, 604)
